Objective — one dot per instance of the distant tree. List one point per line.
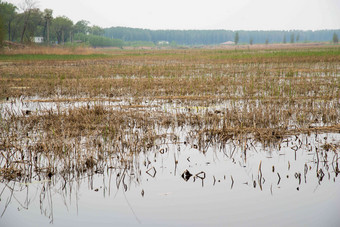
(62, 26)
(292, 38)
(237, 37)
(35, 25)
(8, 13)
(27, 6)
(173, 44)
(251, 40)
(335, 38)
(96, 30)
(298, 38)
(48, 18)
(99, 41)
(284, 39)
(16, 27)
(2, 31)
(23, 30)
(82, 26)
(267, 41)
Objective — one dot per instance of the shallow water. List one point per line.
(240, 183)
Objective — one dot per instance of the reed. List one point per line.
(106, 106)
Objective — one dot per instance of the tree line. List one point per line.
(210, 37)
(31, 22)
(21, 24)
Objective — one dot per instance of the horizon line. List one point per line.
(222, 29)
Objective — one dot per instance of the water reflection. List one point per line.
(178, 170)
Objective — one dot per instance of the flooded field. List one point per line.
(171, 137)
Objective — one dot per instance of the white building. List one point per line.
(38, 39)
(163, 42)
(228, 43)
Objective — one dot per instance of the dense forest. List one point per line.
(208, 37)
(22, 25)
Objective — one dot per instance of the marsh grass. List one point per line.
(207, 96)
(49, 57)
(44, 50)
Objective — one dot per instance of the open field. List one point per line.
(67, 116)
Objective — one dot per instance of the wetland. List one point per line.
(190, 137)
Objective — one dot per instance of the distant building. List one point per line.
(228, 43)
(38, 39)
(163, 43)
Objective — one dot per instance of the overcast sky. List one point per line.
(198, 14)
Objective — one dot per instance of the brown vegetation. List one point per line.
(133, 101)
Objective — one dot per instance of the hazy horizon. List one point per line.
(192, 15)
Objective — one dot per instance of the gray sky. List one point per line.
(198, 14)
